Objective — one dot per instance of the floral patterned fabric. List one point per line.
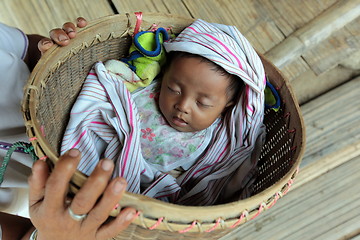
(162, 146)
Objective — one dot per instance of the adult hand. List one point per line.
(49, 211)
(38, 44)
(61, 36)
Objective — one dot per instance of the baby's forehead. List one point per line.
(212, 65)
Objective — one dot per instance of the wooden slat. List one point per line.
(321, 209)
(177, 7)
(129, 6)
(330, 52)
(40, 16)
(252, 20)
(314, 32)
(170, 6)
(332, 130)
(357, 237)
(294, 69)
(308, 86)
(327, 65)
(290, 15)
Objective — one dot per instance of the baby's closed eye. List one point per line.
(173, 90)
(204, 105)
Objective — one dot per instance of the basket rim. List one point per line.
(208, 217)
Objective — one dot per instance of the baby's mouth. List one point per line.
(179, 122)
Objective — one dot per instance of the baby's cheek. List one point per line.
(164, 105)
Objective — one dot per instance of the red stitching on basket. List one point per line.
(277, 196)
(116, 206)
(289, 184)
(261, 208)
(215, 226)
(291, 130)
(42, 129)
(138, 22)
(156, 224)
(244, 214)
(154, 27)
(43, 158)
(286, 115)
(32, 139)
(189, 228)
(137, 214)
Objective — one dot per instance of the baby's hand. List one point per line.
(61, 36)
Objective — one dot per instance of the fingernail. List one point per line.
(46, 42)
(62, 38)
(74, 152)
(118, 186)
(130, 216)
(106, 164)
(69, 30)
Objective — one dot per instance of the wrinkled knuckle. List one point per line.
(97, 218)
(52, 181)
(79, 203)
(102, 180)
(99, 179)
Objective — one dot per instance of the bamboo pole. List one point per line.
(317, 30)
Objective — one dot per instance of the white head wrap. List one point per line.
(232, 151)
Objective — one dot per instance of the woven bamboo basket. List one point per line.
(56, 81)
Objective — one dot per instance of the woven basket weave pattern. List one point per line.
(56, 82)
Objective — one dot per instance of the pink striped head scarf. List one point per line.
(237, 144)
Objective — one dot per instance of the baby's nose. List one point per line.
(183, 106)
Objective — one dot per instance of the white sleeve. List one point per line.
(13, 40)
(13, 76)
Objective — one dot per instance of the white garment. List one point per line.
(183, 150)
(14, 74)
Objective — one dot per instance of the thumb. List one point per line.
(45, 44)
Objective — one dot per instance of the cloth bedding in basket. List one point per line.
(117, 116)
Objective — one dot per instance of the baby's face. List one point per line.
(192, 95)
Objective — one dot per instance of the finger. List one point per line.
(37, 181)
(59, 36)
(81, 22)
(110, 198)
(69, 29)
(114, 227)
(58, 182)
(94, 186)
(45, 44)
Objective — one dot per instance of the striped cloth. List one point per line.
(104, 123)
